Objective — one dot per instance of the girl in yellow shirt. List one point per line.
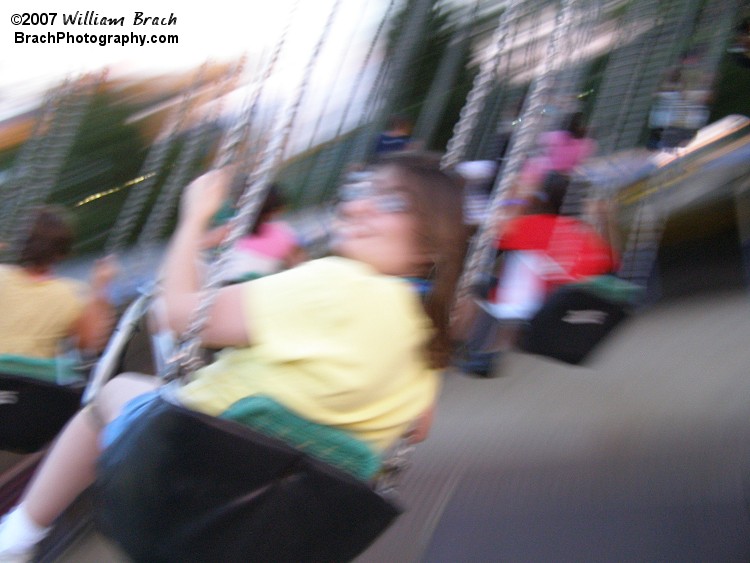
(41, 309)
(344, 341)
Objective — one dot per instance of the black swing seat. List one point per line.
(33, 407)
(179, 485)
(577, 317)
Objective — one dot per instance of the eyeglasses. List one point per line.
(383, 201)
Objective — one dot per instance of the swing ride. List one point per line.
(714, 164)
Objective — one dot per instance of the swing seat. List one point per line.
(180, 485)
(521, 289)
(577, 317)
(33, 408)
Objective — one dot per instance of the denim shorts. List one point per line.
(130, 412)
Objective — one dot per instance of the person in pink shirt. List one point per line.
(270, 246)
(561, 152)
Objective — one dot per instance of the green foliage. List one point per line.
(430, 50)
(106, 154)
(730, 93)
(106, 151)
(102, 168)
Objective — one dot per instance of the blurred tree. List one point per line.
(412, 92)
(107, 154)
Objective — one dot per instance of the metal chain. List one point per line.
(587, 18)
(127, 218)
(61, 136)
(229, 151)
(649, 221)
(629, 87)
(395, 462)
(156, 222)
(642, 246)
(577, 31)
(589, 15)
(237, 145)
(30, 178)
(481, 88)
(394, 76)
(504, 103)
(358, 146)
(607, 115)
(187, 358)
(520, 145)
(445, 76)
(166, 201)
(370, 110)
(717, 16)
(315, 163)
(22, 172)
(334, 159)
(678, 16)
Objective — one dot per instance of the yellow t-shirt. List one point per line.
(36, 314)
(333, 341)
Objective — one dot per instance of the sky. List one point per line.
(218, 30)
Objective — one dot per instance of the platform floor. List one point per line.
(643, 454)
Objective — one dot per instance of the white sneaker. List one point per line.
(10, 534)
(25, 556)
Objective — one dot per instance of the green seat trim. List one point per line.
(51, 370)
(249, 276)
(611, 288)
(331, 445)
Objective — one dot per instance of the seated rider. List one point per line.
(269, 246)
(561, 152)
(396, 137)
(543, 249)
(352, 341)
(539, 251)
(41, 309)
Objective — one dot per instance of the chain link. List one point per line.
(61, 135)
(520, 145)
(23, 170)
(328, 173)
(127, 218)
(187, 359)
(481, 88)
(166, 201)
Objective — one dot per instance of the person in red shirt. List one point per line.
(540, 250)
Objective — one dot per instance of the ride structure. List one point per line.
(274, 515)
(125, 513)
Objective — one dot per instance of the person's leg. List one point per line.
(69, 467)
(67, 470)
(477, 352)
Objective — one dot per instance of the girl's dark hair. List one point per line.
(576, 125)
(399, 121)
(275, 201)
(551, 194)
(50, 239)
(437, 197)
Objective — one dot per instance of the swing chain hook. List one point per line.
(394, 465)
(186, 359)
